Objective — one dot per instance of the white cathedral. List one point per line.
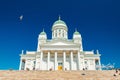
(60, 53)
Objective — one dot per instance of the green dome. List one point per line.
(43, 33)
(59, 22)
(76, 33)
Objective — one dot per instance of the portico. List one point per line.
(60, 59)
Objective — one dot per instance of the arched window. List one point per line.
(55, 34)
(63, 34)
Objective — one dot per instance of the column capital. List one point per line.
(56, 51)
(48, 51)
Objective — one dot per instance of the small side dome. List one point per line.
(76, 34)
(42, 35)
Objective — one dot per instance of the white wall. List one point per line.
(74, 64)
(67, 64)
(52, 64)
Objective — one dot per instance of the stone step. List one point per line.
(58, 75)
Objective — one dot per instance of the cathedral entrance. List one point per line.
(59, 65)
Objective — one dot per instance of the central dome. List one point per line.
(59, 23)
(59, 29)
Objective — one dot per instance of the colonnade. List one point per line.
(63, 61)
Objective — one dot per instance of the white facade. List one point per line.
(59, 53)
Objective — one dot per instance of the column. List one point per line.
(71, 60)
(64, 60)
(78, 60)
(41, 60)
(20, 64)
(48, 61)
(99, 64)
(55, 66)
(26, 61)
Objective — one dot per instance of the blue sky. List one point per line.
(98, 21)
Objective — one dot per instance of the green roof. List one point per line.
(59, 22)
(76, 33)
(43, 33)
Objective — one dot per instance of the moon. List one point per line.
(21, 17)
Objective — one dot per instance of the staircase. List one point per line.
(58, 75)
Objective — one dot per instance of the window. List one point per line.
(55, 34)
(85, 62)
(63, 34)
(59, 30)
(60, 63)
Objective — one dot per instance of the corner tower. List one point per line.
(77, 39)
(42, 38)
(59, 30)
